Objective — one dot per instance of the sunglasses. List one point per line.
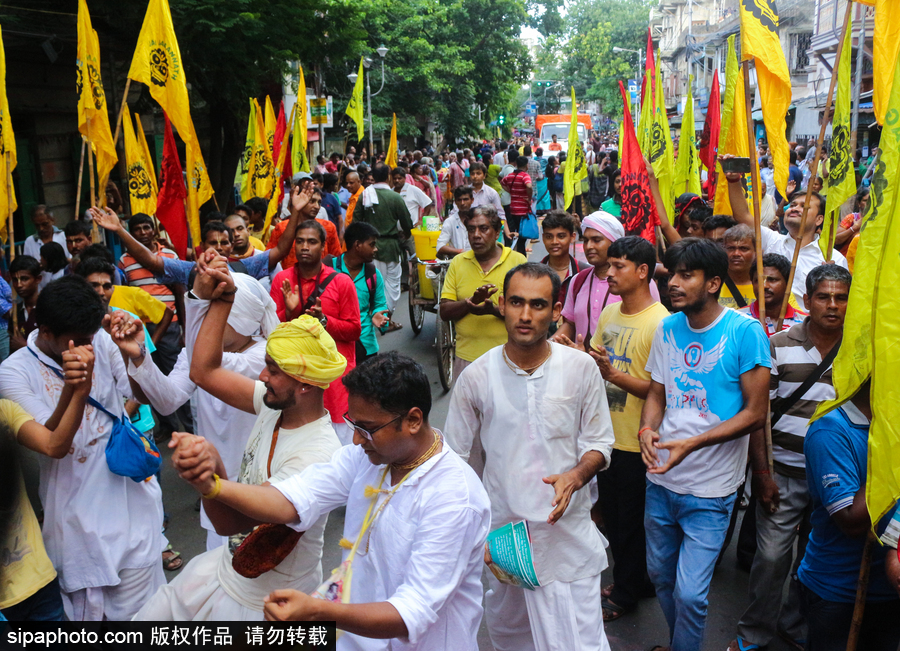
(368, 433)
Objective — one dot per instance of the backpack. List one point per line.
(558, 180)
(368, 275)
(599, 183)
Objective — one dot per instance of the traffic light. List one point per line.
(501, 120)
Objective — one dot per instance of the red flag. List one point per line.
(172, 193)
(639, 214)
(280, 126)
(649, 71)
(709, 139)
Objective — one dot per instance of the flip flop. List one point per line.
(172, 562)
(739, 644)
(611, 611)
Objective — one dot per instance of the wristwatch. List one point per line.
(324, 321)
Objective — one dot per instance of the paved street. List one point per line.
(641, 629)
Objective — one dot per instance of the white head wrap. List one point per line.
(610, 227)
(254, 311)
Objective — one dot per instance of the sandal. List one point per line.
(608, 590)
(173, 561)
(394, 327)
(739, 644)
(611, 610)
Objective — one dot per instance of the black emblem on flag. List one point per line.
(840, 161)
(159, 66)
(79, 80)
(263, 165)
(657, 142)
(763, 10)
(97, 93)
(636, 205)
(139, 184)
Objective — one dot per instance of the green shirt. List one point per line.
(385, 216)
(613, 207)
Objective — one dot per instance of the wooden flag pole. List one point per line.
(826, 118)
(862, 589)
(834, 215)
(122, 111)
(757, 227)
(90, 156)
(80, 177)
(12, 242)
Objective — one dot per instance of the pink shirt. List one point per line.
(592, 297)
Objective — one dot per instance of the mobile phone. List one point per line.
(741, 165)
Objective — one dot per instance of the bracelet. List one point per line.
(231, 293)
(214, 493)
(760, 472)
(644, 429)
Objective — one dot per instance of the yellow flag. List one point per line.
(645, 119)
(93, 119)
(759, 41)
(885, 47)
(157, 63)
(270, 122)
(391, 158)
(660, 151)
(263, 167)
(842, 176)
(734, 139)
(142, 139)
(872, 323)
(576, 167)
(299, 159)
(355, 107)
(141, 180)
(248, 190)
(8, 159)
(274, 201)
(687, 168)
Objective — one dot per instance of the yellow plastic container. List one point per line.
(426, 249)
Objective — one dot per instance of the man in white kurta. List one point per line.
(102, 531)
(253, 315)
(533, 427)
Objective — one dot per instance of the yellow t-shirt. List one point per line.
(475, 335)
(627, 338)
(135, 300)
(257, 244)
(727, 300)
(27, 568)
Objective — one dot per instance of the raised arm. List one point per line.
(739, 208)
(669, 231)
(144, 257)
(285, 243)
(215, 284)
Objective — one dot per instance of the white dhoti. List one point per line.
(556, 617)
(115, 602)
(391, 272)
(197, 595)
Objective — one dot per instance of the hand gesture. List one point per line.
(213, 278)
(316, 310)
(484, 292)
(678, 450)
(578, 344)
(126, 333)
(607, 370)
(195, 460)
(379, 319)
(731, 177)
(288, 606)
(105, 218)
(766, 491)
(564, 485)
(791, 186)
(78, 366)
(291, 297)
(300, 198)
(648, 440)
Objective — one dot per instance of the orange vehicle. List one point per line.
(546, 126)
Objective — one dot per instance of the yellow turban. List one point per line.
(303, 350)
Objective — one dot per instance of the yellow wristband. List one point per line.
(214, 493)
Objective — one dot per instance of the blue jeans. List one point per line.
(45, 605)
(684, 536)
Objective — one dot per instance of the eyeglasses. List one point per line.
(368, 433)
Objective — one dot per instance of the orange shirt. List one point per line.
(351, 206)
(332, 242)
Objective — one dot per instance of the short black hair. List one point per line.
(462, 190)
(69, 305)
(78, 227)
(55, 256)
(522, 162)
(359, 232)
(478, 165)
(98, 251)
(381, 173)
(313, 225)
(535, 270)
(216, 227)
(25, 263)
(739, 233)
(792, 156)
(775, 261)
(256, 204)
(138, 219)
(395, 382)
(95, 265)
(211, 216)
(243, 208)
(700, 214)
(557, 218)
(713, 222)
(398, 171)
(698, 254)
(823, 272)
(634, 249)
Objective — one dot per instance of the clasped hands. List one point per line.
(195, 459)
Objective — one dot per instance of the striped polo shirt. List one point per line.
(138, 276)
(794, 358)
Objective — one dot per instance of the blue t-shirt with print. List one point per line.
(836, 450)
(701, 372)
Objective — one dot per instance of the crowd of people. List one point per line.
(614, 395)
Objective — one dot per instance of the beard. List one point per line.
(280, 404)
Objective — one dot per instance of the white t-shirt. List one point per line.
(809, 258)
(295, 450)
(415, 201)
(500, 158)
(453, 233)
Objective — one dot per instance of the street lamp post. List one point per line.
(640, 53)
(367, 63)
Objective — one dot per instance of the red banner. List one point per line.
(709, 138)
(639, 214)
(172, 193)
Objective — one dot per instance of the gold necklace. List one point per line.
(514, 367)
(422, 459)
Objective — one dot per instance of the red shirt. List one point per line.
(341, 305)
(517, 184)
(332, 241)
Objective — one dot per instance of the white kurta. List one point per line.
(95, 523)
(423, 554)
(531, 427)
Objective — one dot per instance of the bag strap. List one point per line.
(735, 294)
(59, 374)
(369, 276)
(579, 280)
(317, 292)
(785, 405)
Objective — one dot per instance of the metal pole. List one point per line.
(636, 107)
(857, 81)
(369, 92)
